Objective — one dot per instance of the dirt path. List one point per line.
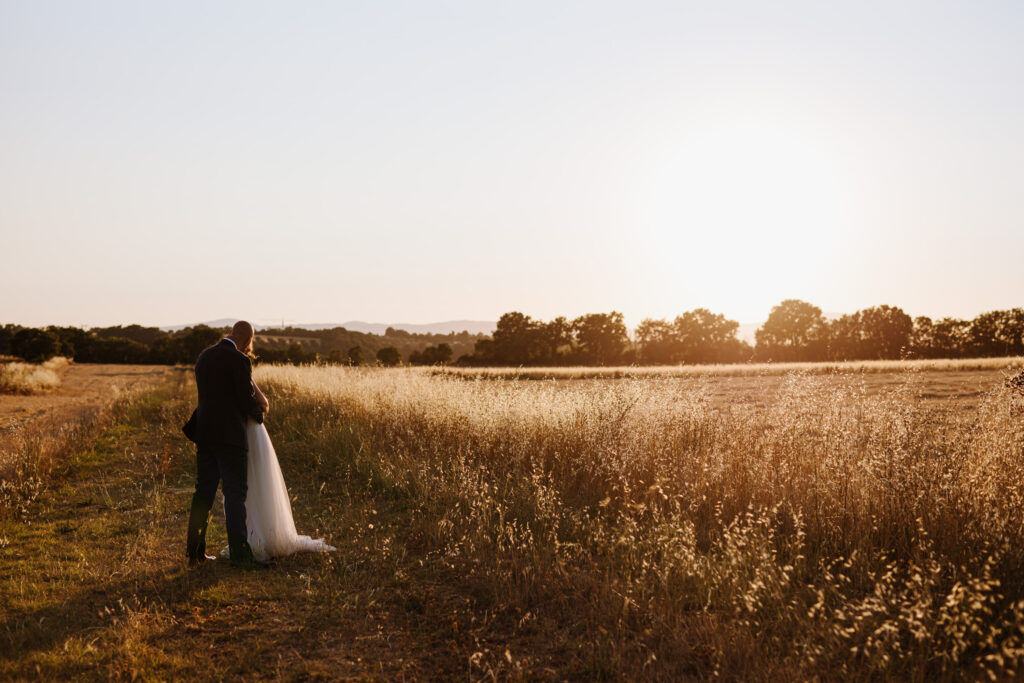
(83, 388)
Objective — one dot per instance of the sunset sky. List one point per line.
(167, 163)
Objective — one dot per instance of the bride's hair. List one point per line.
(248, 350)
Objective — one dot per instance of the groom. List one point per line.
(226, 399)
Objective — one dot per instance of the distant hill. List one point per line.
(448, 327)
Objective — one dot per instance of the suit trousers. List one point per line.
(217, 463)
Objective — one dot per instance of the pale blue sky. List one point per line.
(423, 161)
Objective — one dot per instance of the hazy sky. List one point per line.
(166, 163)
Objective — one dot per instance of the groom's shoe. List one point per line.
(241, 556)
(197, 560)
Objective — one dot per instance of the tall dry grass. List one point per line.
(733, 370)
(826, 534)
(29, 378)
(35, 453)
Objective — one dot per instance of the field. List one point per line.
(801, 525)
(879, 367)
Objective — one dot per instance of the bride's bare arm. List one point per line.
(261, 398)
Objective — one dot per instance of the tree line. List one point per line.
(136, 344)
(698, 336)
(794, 331)
(797, 331)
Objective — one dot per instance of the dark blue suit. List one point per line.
(227, 398)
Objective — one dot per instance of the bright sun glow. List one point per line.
(750, 208)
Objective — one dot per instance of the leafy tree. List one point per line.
(432, 355)
(600, 337)
(168, 351)
(74, 342)
(885, 332)
(922, 338)
(355, 355)
(795, 331)
(7, 333)
(484, 353)
(298, 355)
(843, 334)
(658, 342)
(997, 333)
(118, 350)
(143, 335)
(705, 337)
(192, 340)
(35, 346)
(517, 339)
(951, 337)
(697, 336)
(555, 336)
(389, 356)
(265, 355)
(442, 353)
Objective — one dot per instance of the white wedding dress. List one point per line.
(268, 510)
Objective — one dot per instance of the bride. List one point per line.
(268, 510)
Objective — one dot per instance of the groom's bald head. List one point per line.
(242, 332)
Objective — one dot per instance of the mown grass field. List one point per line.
(861, 526)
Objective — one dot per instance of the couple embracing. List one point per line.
(233, 447)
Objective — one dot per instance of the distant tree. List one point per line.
(265, 355)
(143, 335)
(35, 346)
(484, 353)
(705, 337)
(997, 333)
(192, 340)
(431, 355)
(167, 351)
(951, 338)
(118, 350)
(517, 339)
(885, 332)
(601, 338)
(389, 356)
(658, 342)
(795, 331)
(355, 355)
(7, 333)
(922, 338)
(442, 353)
(74, 341)
(297, 355)
(555, 340)
(1011, 332)
(843, 338)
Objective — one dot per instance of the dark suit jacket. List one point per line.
(227, 397)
